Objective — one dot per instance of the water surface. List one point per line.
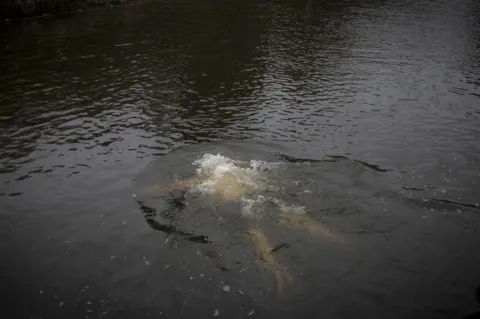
(371, 107)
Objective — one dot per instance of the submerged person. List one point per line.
(222, 179)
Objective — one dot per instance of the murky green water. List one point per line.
(370, 107)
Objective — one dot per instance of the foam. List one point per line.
(228, 178)
(290, 209)
(250, 206)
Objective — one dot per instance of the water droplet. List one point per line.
(252, 312)
(226, 288)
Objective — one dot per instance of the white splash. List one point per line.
(289, 209)
(250, 206)
(228, 178)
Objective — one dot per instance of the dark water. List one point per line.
(92, 104)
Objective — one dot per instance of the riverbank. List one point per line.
(21, 9)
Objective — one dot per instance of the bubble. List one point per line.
(228, 178)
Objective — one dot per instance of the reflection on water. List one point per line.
(371, 106)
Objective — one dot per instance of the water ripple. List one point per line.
(86, 101)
